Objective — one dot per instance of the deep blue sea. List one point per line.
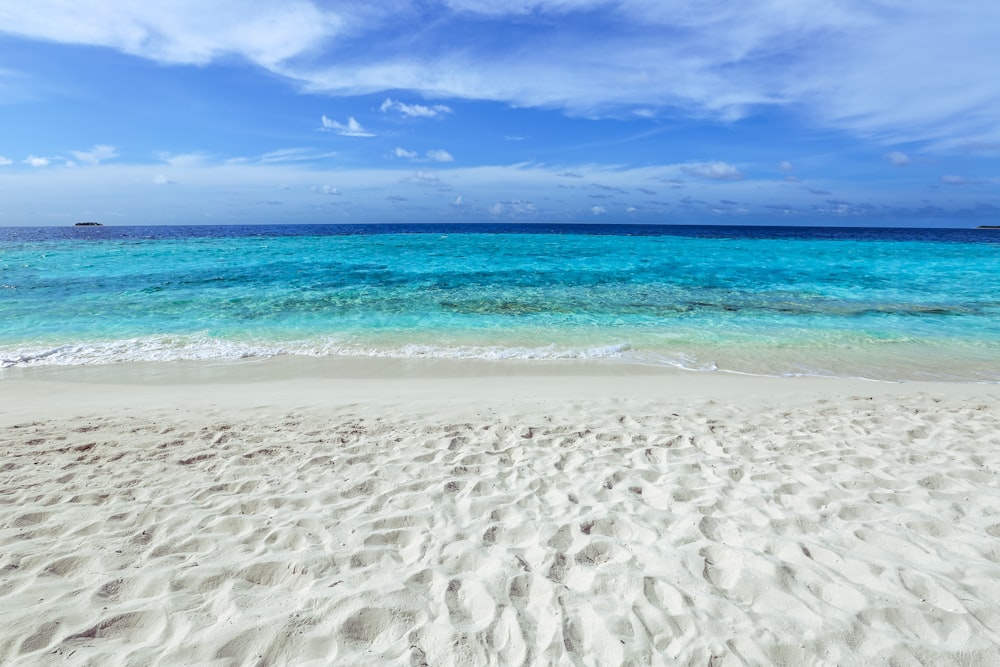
(898, 304)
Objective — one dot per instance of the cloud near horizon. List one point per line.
(716, 171)
(229, 192)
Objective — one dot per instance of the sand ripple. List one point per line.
(842, 533)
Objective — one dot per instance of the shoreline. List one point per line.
(455, 512)
(928, 361)
(292, 382)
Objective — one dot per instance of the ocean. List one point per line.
(886, 304)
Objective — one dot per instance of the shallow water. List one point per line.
(886, 304)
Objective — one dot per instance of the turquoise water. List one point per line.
(922, 305)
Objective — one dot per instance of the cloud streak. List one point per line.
(414, 110)
(351, 128)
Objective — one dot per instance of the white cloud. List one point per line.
(892, 70)
(515, 208)
(716, 171)
(414, 110)
(181, 31)
(219, 190)
(854, 65)
(522, 7)
(598, 210)
(785, 165)
(4, 161)
(962, 180)
(326, 190)
(37, 161)
(283, 155)
(439, 156)
(896, 159)
(184, 159)
(351, 129)
(95, 155)
(424, 178)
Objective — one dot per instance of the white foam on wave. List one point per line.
(155, 348)
(203, 348)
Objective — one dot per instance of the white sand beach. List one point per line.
(364, 512)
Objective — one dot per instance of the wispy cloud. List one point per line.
(184, 159)
(434, 155)
(185, 31)
(514, 208)
(414, 110)
(951, 179)
(439, 156)
(36, 161)
(95, 155)
(283, 155)
(4, 161)
(351, 129)
(716, 171)
(424, 178)
(890, 70)
(215, 188)
(896, 158)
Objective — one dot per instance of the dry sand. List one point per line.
(316, 512)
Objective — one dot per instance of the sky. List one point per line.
(803, 112)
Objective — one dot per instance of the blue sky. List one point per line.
(850, 112)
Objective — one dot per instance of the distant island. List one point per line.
(988, 227)
(89, 224)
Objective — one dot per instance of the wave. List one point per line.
(205, 348)
(871, 361)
